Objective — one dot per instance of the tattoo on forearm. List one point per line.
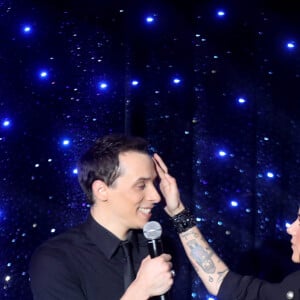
(189, 234)
(221, 275)
(202, 257)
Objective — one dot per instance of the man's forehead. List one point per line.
(136, 161)
(134, 156)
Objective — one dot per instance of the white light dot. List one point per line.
(149, 19)
(222, 153)
(234, 203)
(6, 123)
(290, 45)
(27, 29)
(66, 142)
(221, 13)
(103, 85)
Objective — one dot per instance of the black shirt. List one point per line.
(238, 287)
(86, 262)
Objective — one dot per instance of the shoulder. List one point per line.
(292, 278)
(58, 249)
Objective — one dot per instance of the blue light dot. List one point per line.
(75, 171)
(103, 85)
(221, 13)
(287, 224)
(6, 123)
(149, 19)
(27, 29)
(242, 100)
(176, 80)
(43, 74)
(134, 82)
(222, 153)
(66, 142)
(290, 45)
(234, 203)
(270, 174)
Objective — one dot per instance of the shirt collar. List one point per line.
(106, 241)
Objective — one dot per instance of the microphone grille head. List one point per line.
(152, 230)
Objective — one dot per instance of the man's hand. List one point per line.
(168, 187)
(154, 278)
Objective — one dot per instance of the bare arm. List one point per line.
(209, 267)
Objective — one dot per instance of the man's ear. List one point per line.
(99, 189)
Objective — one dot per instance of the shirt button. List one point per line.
(290, 295)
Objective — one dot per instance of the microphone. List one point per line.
(152, 232)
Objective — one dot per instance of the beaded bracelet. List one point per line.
(183, 221)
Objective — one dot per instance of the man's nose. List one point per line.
(154, 195)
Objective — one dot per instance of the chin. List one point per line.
(296, 259)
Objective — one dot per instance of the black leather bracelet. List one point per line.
(184, 221)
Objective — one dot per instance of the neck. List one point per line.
(103, 218)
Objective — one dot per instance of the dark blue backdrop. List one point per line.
(214, 85)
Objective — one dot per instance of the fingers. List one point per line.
(166, 257)
(160, 163)
(155, 276)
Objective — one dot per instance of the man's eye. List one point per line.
(141, 186)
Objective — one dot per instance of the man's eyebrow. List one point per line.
(146, 179)
(143, 179)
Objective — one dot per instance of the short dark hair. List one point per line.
(101, 161)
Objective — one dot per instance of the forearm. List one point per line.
(209, 267)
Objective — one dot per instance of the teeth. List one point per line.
(145, 210)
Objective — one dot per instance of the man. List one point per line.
(118, 176)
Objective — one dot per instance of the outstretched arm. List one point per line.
(209, 267)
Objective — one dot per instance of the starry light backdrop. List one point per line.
(213, 85)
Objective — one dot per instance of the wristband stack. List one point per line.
(183, 221)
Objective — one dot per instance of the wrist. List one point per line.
(176, 211)
(183, 221)
(134, 291)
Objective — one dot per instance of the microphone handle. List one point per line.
(155, 248)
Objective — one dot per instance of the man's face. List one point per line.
(294, 231)
(133, 194)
